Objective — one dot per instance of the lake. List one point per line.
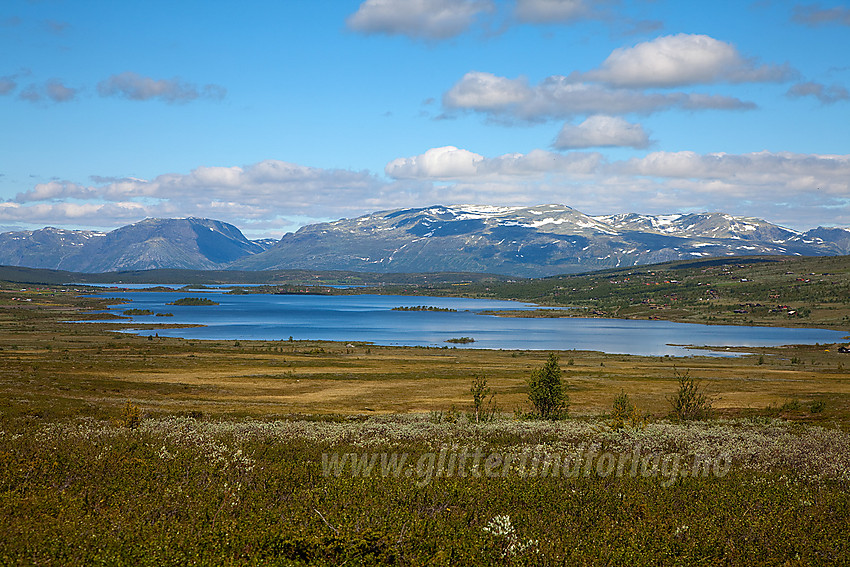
(371, 318)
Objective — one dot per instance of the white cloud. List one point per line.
(266, 193)
(548, 11)
(437, 163)
(133, 86)
(429, 19)
(450, 162)
(58, 92)
(826, 94)
(537, 163)
(53, 89)
(602, 131)
(679, 60)
(814, 15)
(83, 214)
(780, 173)
(255, 185)
(7, 85)
(798, 190)
(562, 97)
(488, 92)
(620, 85)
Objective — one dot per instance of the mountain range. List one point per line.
(520, 241)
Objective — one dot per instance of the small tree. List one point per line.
(546, 390)
(624, 412)
(690, 402)
(479, 391)
(131, 416)
(621, 411)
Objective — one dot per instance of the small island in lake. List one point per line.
(461, 340)
(425, 308)
(132, 312)
(193, 301)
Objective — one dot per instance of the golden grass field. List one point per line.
(52, 367)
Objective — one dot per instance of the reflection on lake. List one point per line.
(370, 318)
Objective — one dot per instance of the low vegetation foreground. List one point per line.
(117, 449)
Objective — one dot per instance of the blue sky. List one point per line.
(271, 115)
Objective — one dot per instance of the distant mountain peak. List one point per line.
(534, 240)
(526, 240)
(147, 244)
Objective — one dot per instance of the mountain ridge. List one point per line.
(532, 241)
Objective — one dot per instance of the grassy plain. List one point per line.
(57, 368)
(117, 449)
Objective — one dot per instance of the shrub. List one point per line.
(546, 391)
(624, 412)
(480, 391)
(131, 416)
(690, 402)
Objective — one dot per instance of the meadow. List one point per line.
(117, 449)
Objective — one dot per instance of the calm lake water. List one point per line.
(371, 318)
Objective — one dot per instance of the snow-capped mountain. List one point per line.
(530, 241)
(524, 241)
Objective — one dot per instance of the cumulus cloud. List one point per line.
(679, 60)
(267, 192)
(254, 185)
(88, 214)
(620, 85)
(814, 15)
(602, 131)
(798, 190)
(450, 162)
(562, 97)
(30, 94)
(548, 11)
(133, 86)
(439, 163)
(53, 89)
(826, 94)
(780, 171)
(7, 85)
(428, 19)
(58, 92)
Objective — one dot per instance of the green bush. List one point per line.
(690, 402)
(482, 411)
(546, 391)
(131, 416)
(624, 413)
